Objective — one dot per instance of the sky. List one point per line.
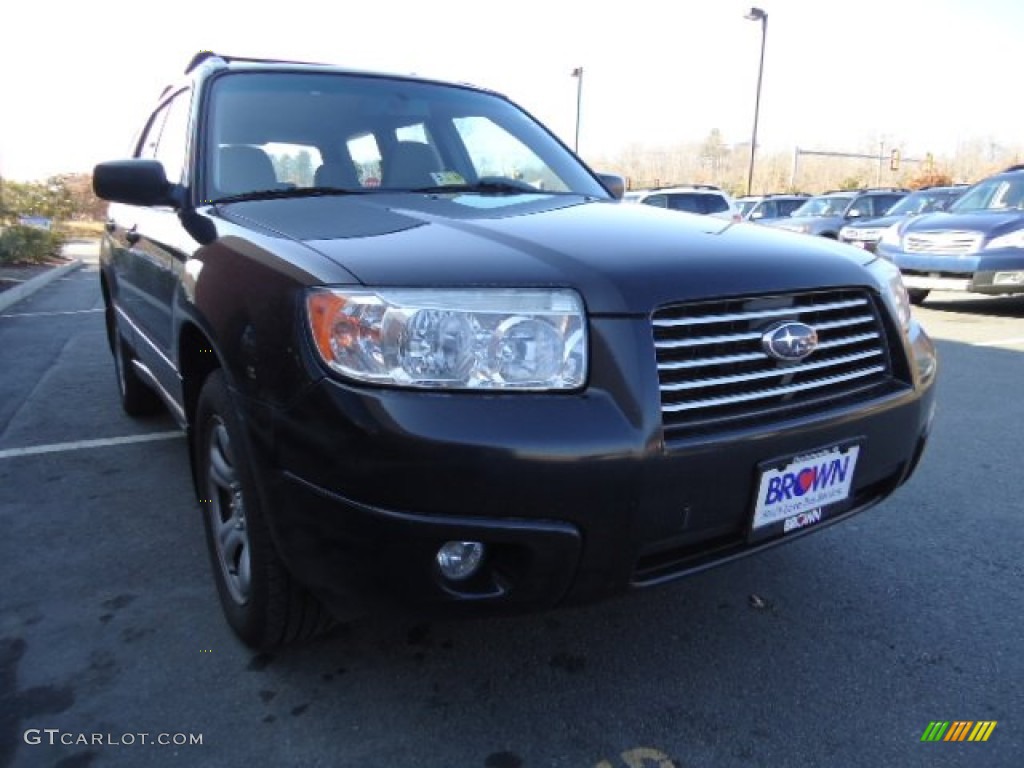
(78, 78)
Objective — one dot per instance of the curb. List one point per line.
(13, 295)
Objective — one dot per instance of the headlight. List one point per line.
(888, 275)
(1012, 240)
(870, 234)
(891, 236)
(521, 339)
(848, 233)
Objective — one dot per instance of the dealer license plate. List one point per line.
(794, 492)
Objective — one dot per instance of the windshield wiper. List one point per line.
(496, 186)
(278, 194)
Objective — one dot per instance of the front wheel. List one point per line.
(262, 603)
(917, 295)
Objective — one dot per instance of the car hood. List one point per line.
(990, 223)
(622, 258)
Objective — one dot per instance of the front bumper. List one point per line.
(577, 497)
(993, 272)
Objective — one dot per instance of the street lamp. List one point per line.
(757, 14)
(578, 74)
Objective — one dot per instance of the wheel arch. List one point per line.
(197, 359)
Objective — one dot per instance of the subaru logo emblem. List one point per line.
(789, 341)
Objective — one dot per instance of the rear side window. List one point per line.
(884, 202)
(658, 201)
(714, 204)
(697, 203)
(786, 207)
(684, 202)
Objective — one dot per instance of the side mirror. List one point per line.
(756, 215)
(136, 181)
(854, 214)
(614, 183)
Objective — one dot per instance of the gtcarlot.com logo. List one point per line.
(54, 736)
(958, 730)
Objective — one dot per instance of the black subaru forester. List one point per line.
(425, 358)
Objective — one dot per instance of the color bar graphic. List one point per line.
(958, 730)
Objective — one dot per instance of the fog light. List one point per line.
(1008, 278)
(459, 560)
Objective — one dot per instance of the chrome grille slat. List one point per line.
(704, 341)
(792, 370)
(751, 356)
(712, 368)
(957, 243)
(790, 389)
(762, 314)
(846, 323)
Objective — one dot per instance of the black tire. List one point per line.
(261, 601)
(137, 399)
(917, 295)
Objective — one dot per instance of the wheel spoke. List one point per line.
(232, 539)
(226, 514)
(222, 472)
(244, 571)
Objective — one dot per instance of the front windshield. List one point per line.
(1001, 193)
(824, 205)
(279, 132)
(922, 202)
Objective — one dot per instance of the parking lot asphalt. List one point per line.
(836, 650)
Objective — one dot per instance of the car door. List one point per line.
(159, 246)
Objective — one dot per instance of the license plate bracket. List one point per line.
(797, 491)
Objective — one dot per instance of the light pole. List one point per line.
(578, 74)
(757, 14)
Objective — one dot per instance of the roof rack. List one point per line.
(684, 184)
(865, 189)
(203, 56)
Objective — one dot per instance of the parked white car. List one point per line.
(692, 198)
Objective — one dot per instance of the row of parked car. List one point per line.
(950, 238)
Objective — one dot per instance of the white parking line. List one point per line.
(1001, 342)
(79, 445)
(51, 314)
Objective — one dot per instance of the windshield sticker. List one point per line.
(447, 178)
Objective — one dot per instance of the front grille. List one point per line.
(948, 243)
(713, 370)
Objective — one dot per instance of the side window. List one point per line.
(495, 151)
(713, 204)
(786, 207)
(151, 136)
(769, 209)
(293, 163)
(658, 201)
(688, 203)
(416, 132)
(365, 154)
(173, 143)
(883, 204)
